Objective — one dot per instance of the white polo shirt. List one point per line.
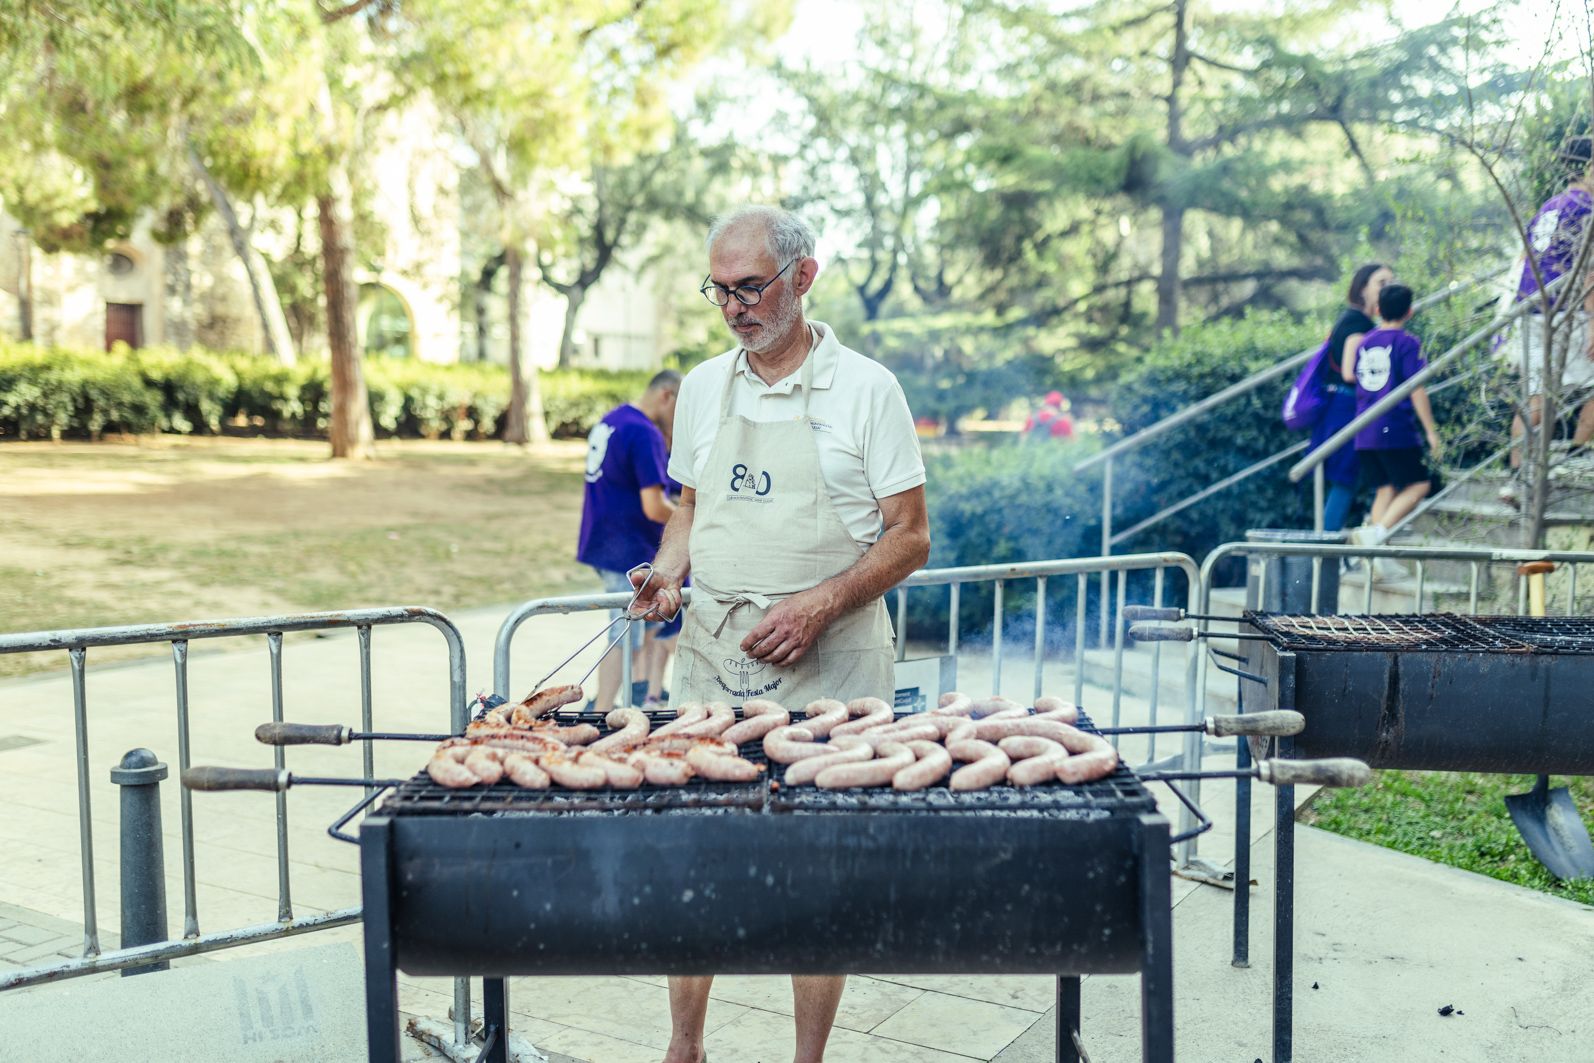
(867, 446)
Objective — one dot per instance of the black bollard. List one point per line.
(143, 859)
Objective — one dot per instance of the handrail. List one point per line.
(1404, 389)
(1209, 490)
(1260, 377)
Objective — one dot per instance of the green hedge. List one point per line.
(54, 393)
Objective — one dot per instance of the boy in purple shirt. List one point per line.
(624, 507)
(1390, 447)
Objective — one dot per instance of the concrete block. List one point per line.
(304, 1005)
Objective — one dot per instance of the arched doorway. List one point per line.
(386, 325)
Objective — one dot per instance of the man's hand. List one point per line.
(790, 627)
(662, 599)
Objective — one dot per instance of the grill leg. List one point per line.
(381, 971)
(1242, 856)
(1284, 926)
(1068, 1015)
(1156, 972)
(495, 1013)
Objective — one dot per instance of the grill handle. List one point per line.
(1133, 613)
(1161, 633)
(213, 778)
(1330, 771)
(1273, 723)
(303, 734)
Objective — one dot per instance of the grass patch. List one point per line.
(154, 530)
(1458, 819)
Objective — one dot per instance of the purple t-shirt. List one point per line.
(625, 453)
(1554, 235)
(1387, 358)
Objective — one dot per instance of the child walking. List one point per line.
(1391, 447)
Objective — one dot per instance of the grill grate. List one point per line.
(1544, 634)
(1118, 794)
(1430, 633)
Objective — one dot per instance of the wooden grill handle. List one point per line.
(1133, 613)
(1330, 771)
(215, 779)
(1161, 633)
(1273, 723)
(303, 734)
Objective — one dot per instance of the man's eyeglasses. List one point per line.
(746, 294)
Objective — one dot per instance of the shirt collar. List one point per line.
(826, 356)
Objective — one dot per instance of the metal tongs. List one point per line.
(628, 617)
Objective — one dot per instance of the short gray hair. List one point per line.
(789, 236)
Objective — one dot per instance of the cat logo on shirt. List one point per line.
(749, 486)
(1372, 367)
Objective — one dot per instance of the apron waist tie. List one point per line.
(734, 602)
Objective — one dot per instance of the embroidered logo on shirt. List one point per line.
(749, 486)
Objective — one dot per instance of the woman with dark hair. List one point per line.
(1354, 322)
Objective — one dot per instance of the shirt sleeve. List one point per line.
(1413, 360)
(891, 459)
(682, 466)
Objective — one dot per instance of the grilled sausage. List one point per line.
(617, 772)
(988, 707)
(629, 727)
(848, 749)
(541, 702)
(578, 735)
(890, 759)
(824, 715)
(1050, 708)
(511, 740)
(1088, 767)
(689, 714)
(524, 772)
(1035, 759)
(683, 744)
(721, 718)
(486, 764)
(996, 730)
(721, 768)
(788, 745)
(571, 774)
(987, 765)
(878, 736)
(446, 769)
(930, 768)
(953, 703)
(872, 718)
(663, 767)
(752, 728)
(761, 707)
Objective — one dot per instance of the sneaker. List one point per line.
(1388, 570)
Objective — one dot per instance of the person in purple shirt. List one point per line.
(625, 505)
(1390, 447)
(1555, 238)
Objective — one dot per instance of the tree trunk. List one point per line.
(524, 422)
(25, 288)
(350, 431)
(179, 296)
(575, 295)
(1168, 280)
(480, 293)
(268, 305)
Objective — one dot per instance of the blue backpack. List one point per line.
(1307, 397)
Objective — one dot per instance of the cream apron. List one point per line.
(763, 530)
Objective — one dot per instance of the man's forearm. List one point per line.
(897, 554)
(673, 558)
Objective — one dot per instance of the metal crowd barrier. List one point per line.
(1081, 569)
(77, 642)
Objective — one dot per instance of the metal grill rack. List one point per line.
(1544, 634)
(1414, 634)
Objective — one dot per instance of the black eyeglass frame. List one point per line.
(757, 289)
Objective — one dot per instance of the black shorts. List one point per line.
(1396, 467)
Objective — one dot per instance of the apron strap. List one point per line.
(735, 602)
(805, 379)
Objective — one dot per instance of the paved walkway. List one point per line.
(1387, 939)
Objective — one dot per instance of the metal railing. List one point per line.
(1109, 455)
(998, 577)
(77, 642)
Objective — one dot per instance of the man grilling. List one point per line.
(802, 503)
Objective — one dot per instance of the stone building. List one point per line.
(413, 295)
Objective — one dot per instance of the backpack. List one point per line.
(1307, 397)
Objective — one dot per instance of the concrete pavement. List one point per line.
(1388, 939)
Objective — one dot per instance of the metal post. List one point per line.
(185, 798)
(1106, 544)
(1318, 502)
(1156, 971)
(902, 623)
(366, 721)
(996, 640)
(279, 761)
(143, 858)
(80, 721)
(1283, 918)
(1118, 651)
(1242, 847)
(1068, 1015)
(1156, 667)
(1040, 635)
(952, 620)
(1081, 598)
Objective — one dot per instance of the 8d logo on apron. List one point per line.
(749, 486)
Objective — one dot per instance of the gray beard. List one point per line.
(775, 328)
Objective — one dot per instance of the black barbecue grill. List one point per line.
(760, 879)
(1433, 692)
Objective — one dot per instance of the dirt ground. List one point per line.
(176, 528)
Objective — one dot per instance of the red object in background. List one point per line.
(1051, 416)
